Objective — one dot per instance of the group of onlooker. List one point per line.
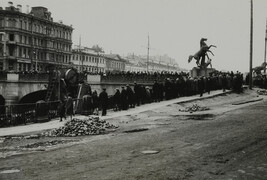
(174, 86)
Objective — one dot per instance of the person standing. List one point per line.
(130, 95)
(103, 98)
(95, 102)
(137, 93)
(124, 99)
(117, 100)
(62, 110)
(201, 86)
(69, 107)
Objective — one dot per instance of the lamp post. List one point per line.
(265, 47)
(251, 45)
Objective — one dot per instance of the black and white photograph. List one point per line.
(133, 90)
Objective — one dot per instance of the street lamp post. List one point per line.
(251, 45)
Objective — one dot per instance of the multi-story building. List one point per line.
(114, 62)
(88, 59)
(155, 64)
(32, 41)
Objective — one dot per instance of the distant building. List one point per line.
(88, 59)
(135, 64)
(155, 64)
(32, 41)
(114, 62)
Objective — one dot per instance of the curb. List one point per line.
(54, 124)
(249, 101)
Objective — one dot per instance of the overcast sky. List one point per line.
(174, 26)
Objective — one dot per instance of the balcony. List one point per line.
(11, 42)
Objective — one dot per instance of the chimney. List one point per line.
(10, 4)
(27, 9)
(19, 7)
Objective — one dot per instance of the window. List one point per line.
(20, 52)
(11, 37)
(2, 23)
(20, 24)
(25, 25)
(10, 66)
(1, 66)
(11, 23)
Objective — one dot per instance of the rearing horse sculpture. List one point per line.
(258, 69)
(202, 53)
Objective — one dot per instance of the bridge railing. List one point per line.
(17, 114)
(130, 79)
(34, 77)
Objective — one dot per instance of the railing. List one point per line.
(130, 79)
(27, 113)
(34, 77)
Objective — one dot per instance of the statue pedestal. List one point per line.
(197, 72)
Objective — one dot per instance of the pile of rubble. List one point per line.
(80, 127)
(262, 92)
(194, 108)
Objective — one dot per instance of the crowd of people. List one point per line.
(173, 86)
(259, 81)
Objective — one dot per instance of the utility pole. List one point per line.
(251, 44)
(79, 52)
(147, 54)
(265, 47)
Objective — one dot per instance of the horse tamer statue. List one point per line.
(201, 54)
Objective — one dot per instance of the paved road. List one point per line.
(227, 142)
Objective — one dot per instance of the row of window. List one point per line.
(116, 65)
(25, 52)
(90, 69)
(42, 43)
(38, 28)
(24, 67)
(91, 59)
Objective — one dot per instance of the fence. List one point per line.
(27, 113)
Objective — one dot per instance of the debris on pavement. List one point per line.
(80, 127)
(194, 108)
(46, 144)
(262, 92)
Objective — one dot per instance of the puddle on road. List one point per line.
(150, 152)
(9, 171)
(136, 130)
(196, 117)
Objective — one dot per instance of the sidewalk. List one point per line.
(55, 123)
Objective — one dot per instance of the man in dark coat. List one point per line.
(130, 95)
(62, 109)
(95, 102)
(117, 100)
(124, 99)
(156, 91)
(137, 93)
(103, 98)
(69, 107)
(201, 86)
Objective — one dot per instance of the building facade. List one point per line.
(88, 60)
(155, 64)
(32, 41)
(114, 62)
